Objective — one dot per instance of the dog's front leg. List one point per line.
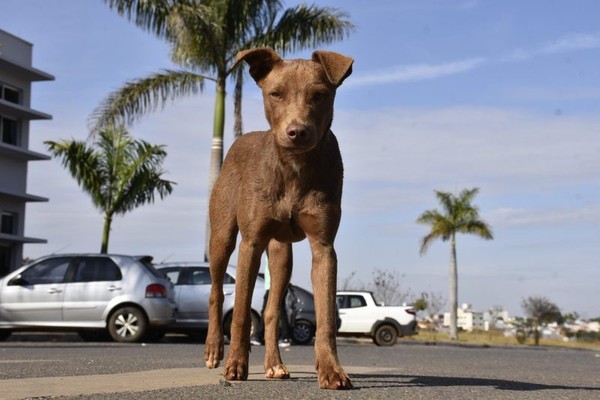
(280, 269)
(324, 275)
(236, 367)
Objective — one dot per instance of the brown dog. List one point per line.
(279, 187)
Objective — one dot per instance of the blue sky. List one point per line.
(445, 95)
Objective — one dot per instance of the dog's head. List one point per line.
(298, 94)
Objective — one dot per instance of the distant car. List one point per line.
(362, 316)
(95, 294)
(192, 289)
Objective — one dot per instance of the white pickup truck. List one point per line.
(362, 316)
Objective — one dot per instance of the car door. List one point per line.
(94, 282)
(36, 298)
(193, 294)
(352, 309)
(176, 276)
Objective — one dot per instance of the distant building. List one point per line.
(466, 318)
(16, 76)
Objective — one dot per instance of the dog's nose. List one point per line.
(296, 131)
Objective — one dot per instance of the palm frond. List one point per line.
(150, 15)
(458, 215)
(477, 227)
(446, 200)
(141, 96)
(303, 27)
(197, 37)
(82, 162)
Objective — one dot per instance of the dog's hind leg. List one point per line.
(250, 252)
(280, 269)
(222, 244)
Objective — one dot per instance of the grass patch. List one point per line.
(496, 338)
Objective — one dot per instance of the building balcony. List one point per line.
(22, 196)
(19, 153)
(23, 71)
(18, 111)
(6, 237)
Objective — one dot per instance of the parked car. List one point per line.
(362, 316)
(192, 290)
(97, 295)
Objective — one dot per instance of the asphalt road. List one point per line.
(62, 367)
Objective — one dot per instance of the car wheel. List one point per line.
(4, 334)
(303, 332)
(385, 335)
(127, 324)
(94, 335)
(254, 327)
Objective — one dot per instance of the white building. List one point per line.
(16, 76)
(466, 318)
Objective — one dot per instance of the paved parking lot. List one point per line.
(62, 367)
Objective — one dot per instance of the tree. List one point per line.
(431, 303)
(458, 216)
(540, 310)
(386, 286)
(205, 36)
(119, 173)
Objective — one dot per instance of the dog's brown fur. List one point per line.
(279, 187)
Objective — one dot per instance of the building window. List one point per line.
(8, 223)
(9, 131)
(10, 93)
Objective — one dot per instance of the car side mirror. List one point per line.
(17, 280)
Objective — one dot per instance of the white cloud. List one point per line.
(417, 72)
(555, 216)
(572, 42)
(569, 43)
(468, 144)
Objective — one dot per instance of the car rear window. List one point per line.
(146, 261)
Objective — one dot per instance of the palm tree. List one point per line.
(205, 36)
(458, 216)
(118, 173)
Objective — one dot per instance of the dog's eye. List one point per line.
(275, 95)
(317, 97)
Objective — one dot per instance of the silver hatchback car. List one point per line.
(94, 294)
(192, 290)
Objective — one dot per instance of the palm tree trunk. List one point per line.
(216, 153)
(453, 291)
(237, 103)
(106, 233)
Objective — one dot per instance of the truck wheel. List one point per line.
(127, 324)
(385, 335)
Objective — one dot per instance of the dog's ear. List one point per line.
(261, 61)
(337, 66)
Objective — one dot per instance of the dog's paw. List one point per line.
(333, 378)
(236, 371)
(213, 354)
(278, 371)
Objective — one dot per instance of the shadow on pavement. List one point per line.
(398, 380)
